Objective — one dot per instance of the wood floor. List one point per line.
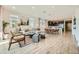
(53, 44)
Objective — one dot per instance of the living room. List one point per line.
(43, 29)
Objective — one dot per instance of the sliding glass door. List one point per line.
(13, 21)
(32, 22)
(42, 24)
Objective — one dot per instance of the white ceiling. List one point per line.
(43, 10)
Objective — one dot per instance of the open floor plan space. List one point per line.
(54, 43)
(39, 29)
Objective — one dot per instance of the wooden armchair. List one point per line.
(16, 38)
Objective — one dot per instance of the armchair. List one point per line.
(16, 38)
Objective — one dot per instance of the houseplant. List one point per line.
(4, 26)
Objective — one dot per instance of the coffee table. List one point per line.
(29, 34)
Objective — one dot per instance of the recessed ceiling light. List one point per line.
(13, 7)
(33, 7)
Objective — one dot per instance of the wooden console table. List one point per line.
(50, 30)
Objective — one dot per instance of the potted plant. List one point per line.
(4, 26)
